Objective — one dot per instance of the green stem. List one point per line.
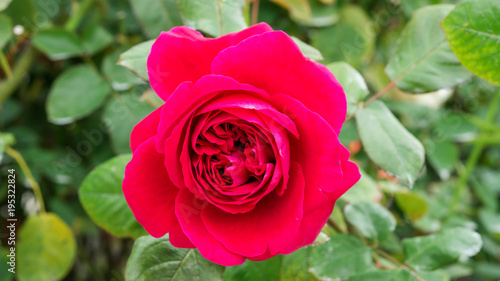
(75, 19)
(22, 66)
(398, 263)
(473, 157)
(487, 139)
(5, 65)
(335, 226)
(483, 124)
(27, 173)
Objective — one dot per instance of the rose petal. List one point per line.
(271, 225)
(183, 54)
(178, 239)
(318, 149)
(351, 176)
(148, 190)
(265, 256)
(173, 149)
(249, 102)
(277, 129)
(188, 96)
(273, 62)
(145, 129)
(310, 227)
(187, 209)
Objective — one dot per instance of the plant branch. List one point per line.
(22, 66)
(27, 173)
(77, 16)
(255, 12)
(379, 94)
(398, 263)
(473, 157)
(5, 65)
(335, 226)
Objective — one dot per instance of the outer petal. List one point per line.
(183, 54)
(265, 256)
(149, 192)
(145, 129)
(317, 150)
(187, 209)
(310, 227)
(255, 61)
(351, 176)
(313, 222)
(271, 225)
(178, 238)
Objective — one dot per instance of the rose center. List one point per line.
(236, 154)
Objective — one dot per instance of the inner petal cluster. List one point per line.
(233, 161)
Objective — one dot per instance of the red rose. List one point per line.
(243, 159)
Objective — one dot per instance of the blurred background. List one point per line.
(55, 48)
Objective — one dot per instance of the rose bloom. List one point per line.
(243, 160)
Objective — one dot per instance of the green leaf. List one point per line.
(488, 271)
(156, 16)
(385, 275)
(22, 12)
(355, 16)
(437, 250)
(121, 79)
(388, 143)
(46, 249)
(353, 83)
(279, 268)
(485, 194)
(57, 43)
(5, 274)
(491, 221)
(321, 15)
(136, 59)
(454, 126)
(76, 93)
(5, 30)
(307, 50)
(364, 190)
(299, 9)
(295, 266)
(473, 32)
(438, 275)
(214, 17)
(372, 220)
(254, 270)
(412, 204)
(11, 109)
(157, 259)
(152, 98)
(340, 257)
(95, 38)
(121, 114)
(340, 42)
(4, 4)
(442, 156)
(347, 40)
(311, 12)
(422, 61)
(6, 139)
(102, 198)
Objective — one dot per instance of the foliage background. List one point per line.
(67, 107)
